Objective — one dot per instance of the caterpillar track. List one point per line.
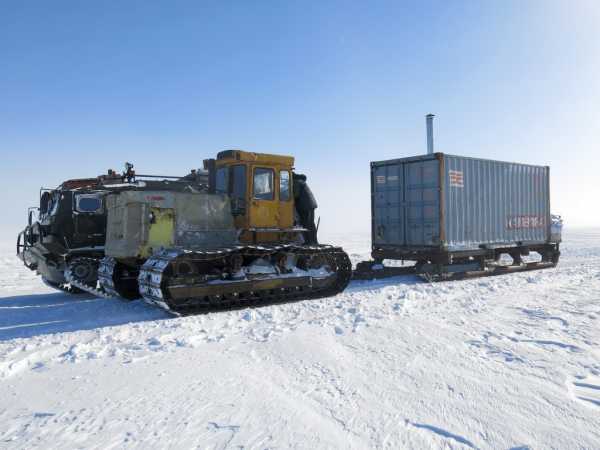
(184, 281)
(63, 287)
(82, 276)
(118, 280)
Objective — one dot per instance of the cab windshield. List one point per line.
(53, 203)
(88, 203)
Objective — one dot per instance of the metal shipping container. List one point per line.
(446, 203)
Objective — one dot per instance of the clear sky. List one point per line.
(85, 86)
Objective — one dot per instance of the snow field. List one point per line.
(503, 362)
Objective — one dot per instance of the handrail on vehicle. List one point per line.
(23, 245)
(19, 245)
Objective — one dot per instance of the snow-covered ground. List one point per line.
(504, 362)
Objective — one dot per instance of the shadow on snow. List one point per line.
(32, 315)
(400, 280)
(26, 316)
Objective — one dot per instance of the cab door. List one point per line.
(89, 220)
(286, 199)
(264, 210)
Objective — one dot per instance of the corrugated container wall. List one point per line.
(458, 203)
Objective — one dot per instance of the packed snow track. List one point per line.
(503, 362)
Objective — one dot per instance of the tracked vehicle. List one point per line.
(64, 238)
(250, 237)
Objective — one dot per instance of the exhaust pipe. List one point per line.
(429, 122)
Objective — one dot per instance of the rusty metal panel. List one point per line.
(204, 221)
(201, 221)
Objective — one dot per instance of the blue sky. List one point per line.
(85, 86)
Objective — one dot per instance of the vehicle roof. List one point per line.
(266, 158)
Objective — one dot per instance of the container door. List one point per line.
(388, 205)
(423, 203)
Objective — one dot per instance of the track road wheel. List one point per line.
(84, 270)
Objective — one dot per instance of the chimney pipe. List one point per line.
(429, 122)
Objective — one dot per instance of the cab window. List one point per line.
(238, 189)
(263, 184)
(53, 205)
(88, 204)
(284, 186)
(45, 202)
(222, 181)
